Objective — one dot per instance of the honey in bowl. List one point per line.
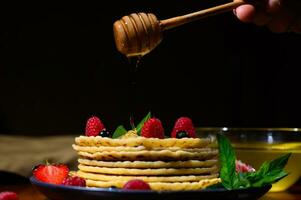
(257, 145)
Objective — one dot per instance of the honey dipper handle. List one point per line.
(184, 19)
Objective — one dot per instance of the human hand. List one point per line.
(278, 15)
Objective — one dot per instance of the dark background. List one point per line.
(59, 65)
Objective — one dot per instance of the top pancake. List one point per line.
(142, 141)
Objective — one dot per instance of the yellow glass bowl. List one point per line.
(256, 145)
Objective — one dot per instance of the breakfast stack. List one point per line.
(179, 162)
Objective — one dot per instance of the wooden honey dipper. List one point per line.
(139, 33)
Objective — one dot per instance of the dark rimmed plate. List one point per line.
(61, 192)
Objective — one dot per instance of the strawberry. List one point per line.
(136, 184)
(183, 128)
(153, 128)
(8, 195)
(94, 126)
(74, 181)
(243, 167)
(51, 173)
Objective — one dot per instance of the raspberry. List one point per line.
(243, 167)
(74, 181)
(136, 184)
(153, 128)
(183, 125)
(8, 195)
(93, 126)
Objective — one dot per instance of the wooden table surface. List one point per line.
(28, 192)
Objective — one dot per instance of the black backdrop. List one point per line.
(59, 65)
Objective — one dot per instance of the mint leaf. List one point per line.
(120, 130)
(140, 125)
(241, 181)
(269, 172)
(227, 161)
(279, 163)
(269, 179)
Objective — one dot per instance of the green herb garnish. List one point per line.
(140, 125)
(269, 172)
(227, 159)
(120, 130)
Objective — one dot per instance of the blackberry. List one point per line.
(182, 134)
(105, 133)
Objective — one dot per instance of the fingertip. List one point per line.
(245, 13)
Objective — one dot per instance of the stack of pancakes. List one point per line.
(166, 164)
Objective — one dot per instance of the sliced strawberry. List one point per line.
(51, 173)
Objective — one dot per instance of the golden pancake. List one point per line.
(104, 177)
(128, 149)
(142, 141)
(160, 171)
(149, 164)
(159, 185)
(150, 155)
(106, 148)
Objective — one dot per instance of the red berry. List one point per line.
(93, 126)
(136, 184)
(183, 125)
(243, 167)
(74, 181)
(8, 195)
(51, 173)
(153, 128)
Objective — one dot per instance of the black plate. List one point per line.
(61, 192)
